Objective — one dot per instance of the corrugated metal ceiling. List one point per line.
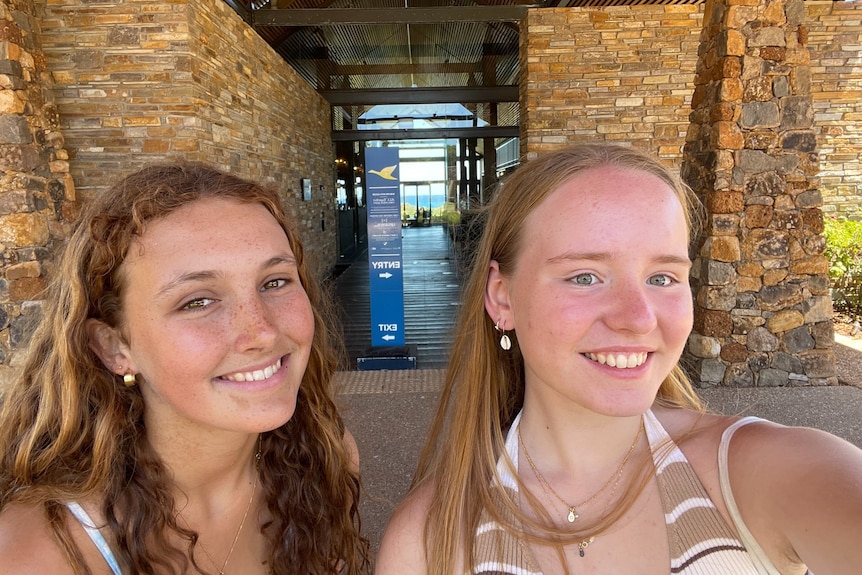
(463, 52)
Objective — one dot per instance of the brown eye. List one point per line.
(274, 284)
(197, 303)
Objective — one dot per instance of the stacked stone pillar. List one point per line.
(762, 303)
(36, 190)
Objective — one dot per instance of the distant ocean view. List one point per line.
(436, 201)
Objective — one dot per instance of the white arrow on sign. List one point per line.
(385, 275)
(388, 337)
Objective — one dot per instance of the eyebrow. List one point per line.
(604, 256)
(204, 275)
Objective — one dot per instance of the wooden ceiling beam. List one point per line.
(386, 69)
(463, 95)
(378, 16)
(431, 134)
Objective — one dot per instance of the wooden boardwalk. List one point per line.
(431, 298)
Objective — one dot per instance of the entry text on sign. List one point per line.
(394, 265)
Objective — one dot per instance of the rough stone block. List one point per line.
(817, 309)
(781, 297)
(724, 249)
(774, 53)
(717, 297)
(761, 339)
(800, 141)
(24, 270)
(774, 277)
(703, 347)
(819, 363)
(738, 375)
(772, 378)
(14, 128)
(750, 269)
(23, 229)
(758, 216)
(748, 284)
(755, 161)
(713, 323)
(797, 340)
(26, 289)
(734, 352)
(725, 202)
(811, 266)
(711, 372)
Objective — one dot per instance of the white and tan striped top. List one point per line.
(700, 540)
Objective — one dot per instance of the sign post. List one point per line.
(382, 169)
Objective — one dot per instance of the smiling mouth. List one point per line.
(256, 375)
(619, 360)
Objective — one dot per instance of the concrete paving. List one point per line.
(389, 413)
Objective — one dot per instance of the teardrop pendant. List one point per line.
(572, 515)
(582, 546)
(505, 342)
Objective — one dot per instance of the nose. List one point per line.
(254, 324)
(630, 308)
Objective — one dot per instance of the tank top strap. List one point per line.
(95, 536)
(761, 561)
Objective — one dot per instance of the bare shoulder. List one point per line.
(402, 549)
(801, 489)
(27, 545)
(798, 489)
(799, 459)
(351, 448)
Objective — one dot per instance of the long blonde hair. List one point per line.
(484, 385)
(70, 429)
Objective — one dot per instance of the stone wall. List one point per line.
(145, 81)
(617, 73)
(762, 305)
(37, 194)
(835, 42)
(92, 91)
(627, 73)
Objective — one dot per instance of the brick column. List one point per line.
(762, 304)
(36, 190)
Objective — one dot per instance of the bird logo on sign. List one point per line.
(385, 173)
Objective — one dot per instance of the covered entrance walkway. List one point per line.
(431, 297)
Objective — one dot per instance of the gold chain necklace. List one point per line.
(573, 509)
(244, 516)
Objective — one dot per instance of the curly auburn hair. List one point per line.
(70, 430)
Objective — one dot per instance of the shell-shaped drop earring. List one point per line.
(505, 342)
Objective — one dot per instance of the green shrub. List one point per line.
(844, 250)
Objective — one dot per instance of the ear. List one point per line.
(107, 344)
(497, 297)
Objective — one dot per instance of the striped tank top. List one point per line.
(700, 540)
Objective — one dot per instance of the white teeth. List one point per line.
(619, 360)
(257, 375)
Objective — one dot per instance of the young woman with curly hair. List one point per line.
(175, 413)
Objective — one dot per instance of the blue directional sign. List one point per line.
(384, 246)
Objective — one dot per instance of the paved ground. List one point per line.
(389, 412)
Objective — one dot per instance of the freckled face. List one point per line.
(600, 299)
(218, 325)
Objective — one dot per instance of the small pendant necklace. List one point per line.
(221, 571)
(573, 514)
